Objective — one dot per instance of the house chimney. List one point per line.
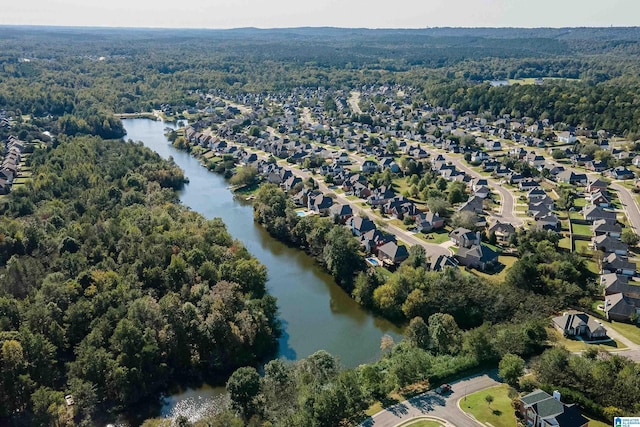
(556, 395)
(478, 237)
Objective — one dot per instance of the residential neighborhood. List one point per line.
(504, 178)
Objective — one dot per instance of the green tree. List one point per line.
(629, 237)
(244, 387)
(245, 175)
(342, 256)
(444, 333)
(464, 219)
(511, 368)
(438, 206)
(417, 256)
(417, 333)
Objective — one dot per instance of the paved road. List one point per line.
(629, 204)
(508, 211)
(432, 404)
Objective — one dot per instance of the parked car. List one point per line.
(443, 389)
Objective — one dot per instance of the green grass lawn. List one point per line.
(575, 215)
(421, 422)
(581, 229)
(580, 202)
(498, 278)
(631, 332)
(436, 237)
(576, 345)
(582, 246)
(565, 243)
(597, 423)
(498, 413)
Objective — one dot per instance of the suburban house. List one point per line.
(342, 212)
(528, 184)
(369, 166)
(463, 237)
(614, 263)
(502, 230)
(608, 244)
(595, 166)
(578, 324)
(474, 204)
(614, 283)
(441, 262)
(320, 204)
(620, 172)
(478, 256)
(567, 137)
(392, 253)
(621, 307)
(373, 239)
(593, 213)
(360, 225)
(602, 227)
(598, 198)
(596, 185)
(540, 409)
(570, 177)
(428, 221)
(548, 222)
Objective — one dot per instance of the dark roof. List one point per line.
(548, 408)
(394, 251)
(482, 252)
(571, 417)
(535, 396)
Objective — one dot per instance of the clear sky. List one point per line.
(335, 13)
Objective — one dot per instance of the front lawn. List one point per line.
(437, 236)
(498, 413)
(574, 345)
(630, 332)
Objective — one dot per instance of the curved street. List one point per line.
(435, 405)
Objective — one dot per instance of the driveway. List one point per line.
(433, 405)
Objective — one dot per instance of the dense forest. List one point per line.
(112, 291)
(89, 73)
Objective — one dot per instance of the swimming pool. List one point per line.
(373, 261)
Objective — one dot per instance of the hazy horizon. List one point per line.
(278, 14)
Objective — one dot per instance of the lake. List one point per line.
(316, 314)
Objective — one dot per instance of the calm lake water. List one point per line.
(316, 314)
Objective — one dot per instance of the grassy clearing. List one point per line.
(498, 413)
(565, 243)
